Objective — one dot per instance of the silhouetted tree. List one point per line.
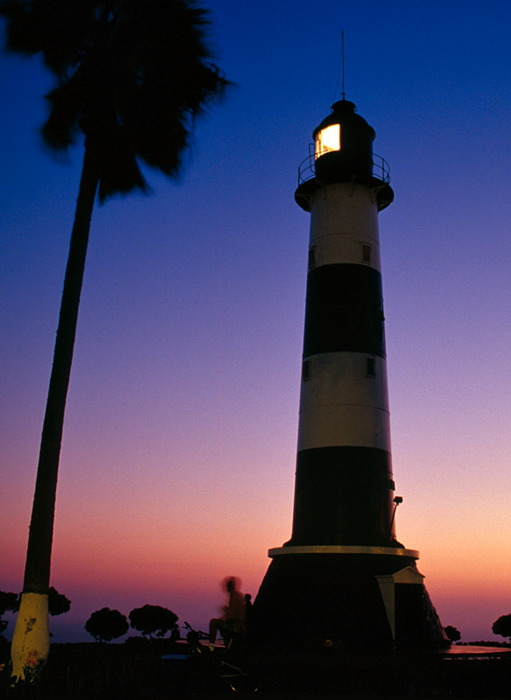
(453, 633)
(131, 77)
(8, 603)
(502, 626)
(153, 620)
(58, 604)
(105, 625)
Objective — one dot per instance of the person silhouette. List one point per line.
(233, 619)
(248, 609)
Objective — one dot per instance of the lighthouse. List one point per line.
(343, 576)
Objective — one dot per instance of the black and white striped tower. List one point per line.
(343, 575)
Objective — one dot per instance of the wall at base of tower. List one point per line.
(338, 597)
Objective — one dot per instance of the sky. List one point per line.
(179, 447)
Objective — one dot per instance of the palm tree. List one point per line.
(131, 77)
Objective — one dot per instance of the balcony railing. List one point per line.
(307, 168)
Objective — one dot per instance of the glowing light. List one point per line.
(328, 139)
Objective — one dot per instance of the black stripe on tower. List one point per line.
(343, 496)
(344, 310)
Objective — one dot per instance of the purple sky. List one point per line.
(180, 437)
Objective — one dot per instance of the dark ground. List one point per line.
(92, 671)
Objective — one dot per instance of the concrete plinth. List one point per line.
(351, 600)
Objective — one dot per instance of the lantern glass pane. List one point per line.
(328, 139)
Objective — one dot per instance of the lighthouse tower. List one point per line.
(343, 575)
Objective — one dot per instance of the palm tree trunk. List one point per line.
(30, 644)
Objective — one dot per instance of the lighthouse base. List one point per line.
(353, 600)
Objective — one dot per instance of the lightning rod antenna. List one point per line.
(341, 67)
(342, 61)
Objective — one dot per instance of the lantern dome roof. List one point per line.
(344, 113)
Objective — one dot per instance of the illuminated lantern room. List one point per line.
(327, 140)
(343, 152)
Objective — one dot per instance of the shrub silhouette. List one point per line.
(8, 601)
(58, 604)
(502, 626)
(105, 625)
(453, 633)
(153, 620)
